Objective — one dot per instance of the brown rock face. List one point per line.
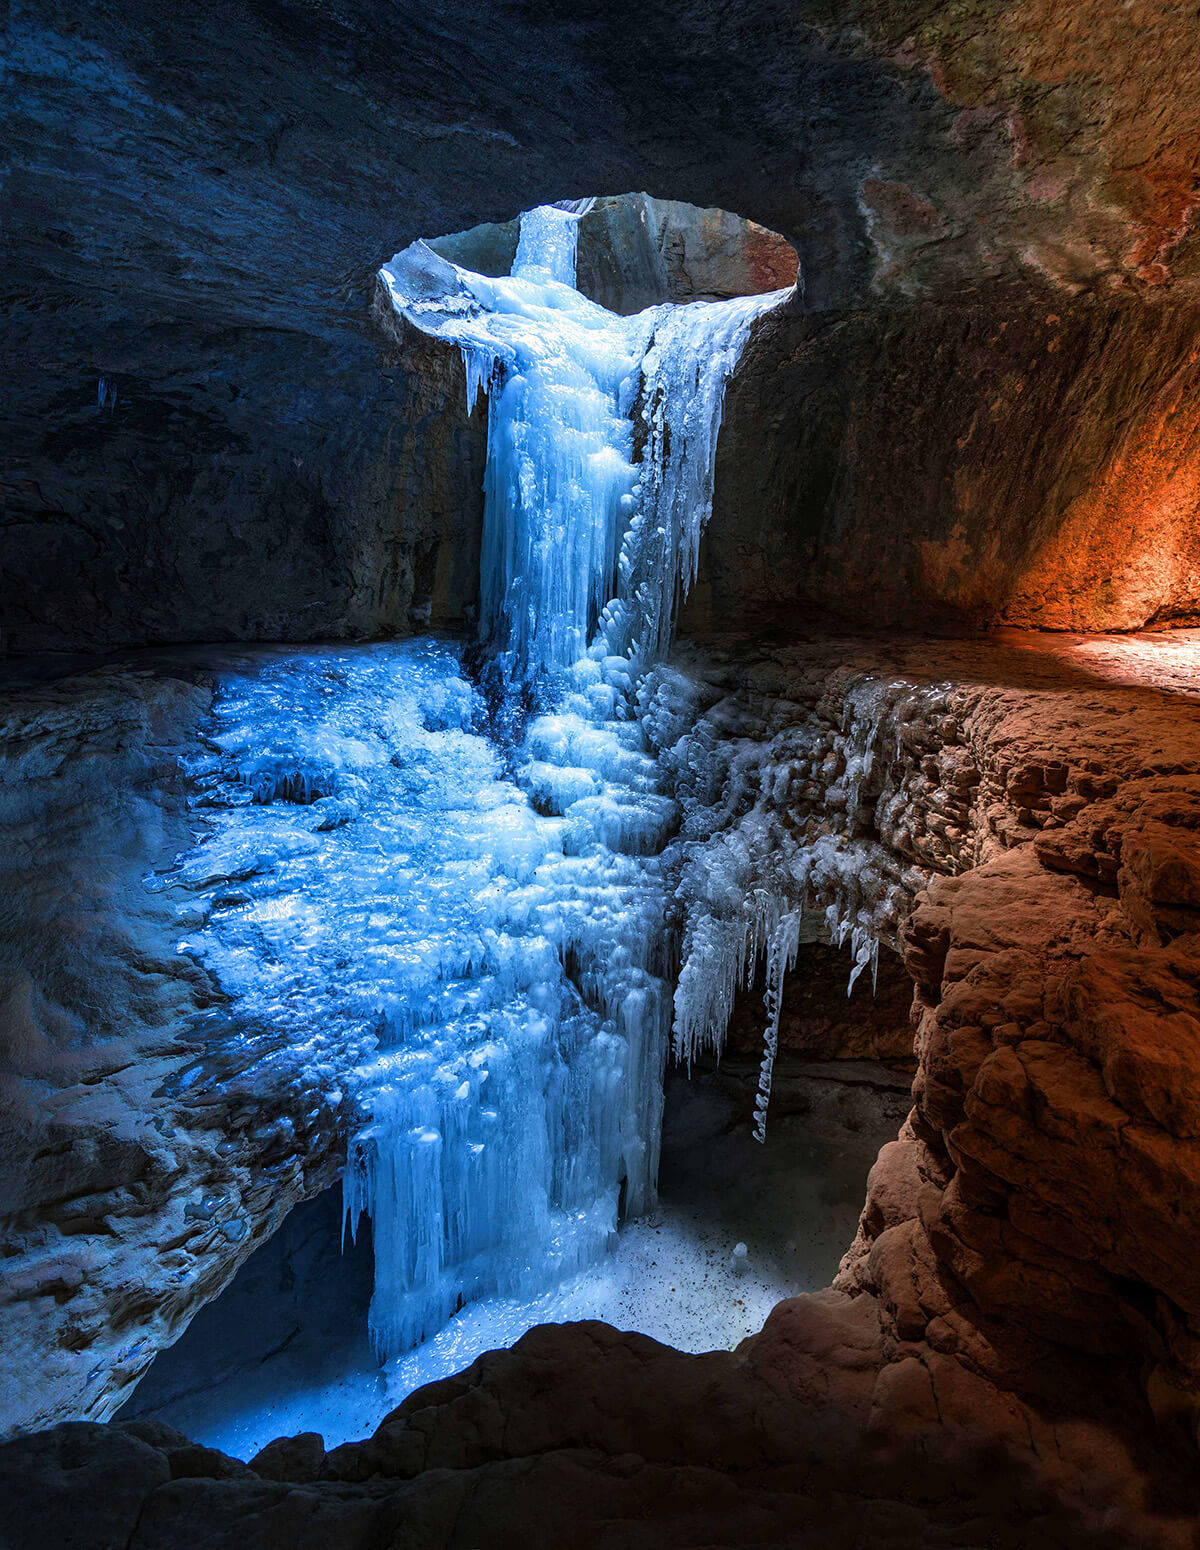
(965, 466)
(1047, 1190)
(1031, 815)
(809, 1435)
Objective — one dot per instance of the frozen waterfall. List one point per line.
(513, 1092)
(586, 551)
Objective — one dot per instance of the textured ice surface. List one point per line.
(780, 839)
(585, 550)
(387, 899)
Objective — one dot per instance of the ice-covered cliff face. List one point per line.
(395, 915)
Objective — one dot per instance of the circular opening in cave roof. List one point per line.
(635, 251)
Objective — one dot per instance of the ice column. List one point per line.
(584, 550)
(690, 354)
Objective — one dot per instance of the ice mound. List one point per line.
(495, 1004)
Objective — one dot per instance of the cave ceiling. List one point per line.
(198, 200)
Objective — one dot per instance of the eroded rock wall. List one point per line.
(256, 487)
(1046, 1191)
(1026, 828)
(960, 467)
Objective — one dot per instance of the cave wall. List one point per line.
(149, 1141)
(205, 437)
(1028, 829)
(264, 487)
(961, 466)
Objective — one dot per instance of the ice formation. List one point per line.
(585, 550)
(385, 906)
(780, 841)
(469, 920)
(513, 1088)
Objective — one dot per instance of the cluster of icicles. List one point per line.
(756, 876)
(586, 552)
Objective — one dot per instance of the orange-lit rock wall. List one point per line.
(962, 467)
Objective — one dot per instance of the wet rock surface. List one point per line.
(957, 467)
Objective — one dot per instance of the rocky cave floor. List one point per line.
(1010, 1353)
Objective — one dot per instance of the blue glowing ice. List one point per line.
(475, 937)
(586, 550)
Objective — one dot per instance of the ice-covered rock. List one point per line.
(784, 810)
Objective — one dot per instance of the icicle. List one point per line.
(748, 858)
(781, 956)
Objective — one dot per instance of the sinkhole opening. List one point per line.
(633, 252)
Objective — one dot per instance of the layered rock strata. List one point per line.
(1027, 824)
(1046, 1189)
